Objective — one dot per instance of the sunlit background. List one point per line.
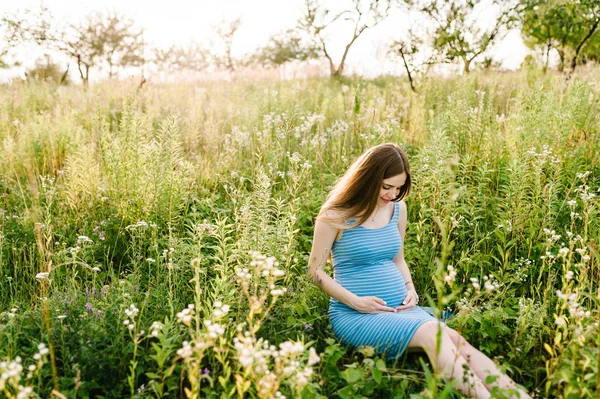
(178, 22)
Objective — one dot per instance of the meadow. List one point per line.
(154, 240)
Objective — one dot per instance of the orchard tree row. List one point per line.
(444, 32)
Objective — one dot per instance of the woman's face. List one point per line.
(390, 188)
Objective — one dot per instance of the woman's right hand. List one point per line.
(371, 304)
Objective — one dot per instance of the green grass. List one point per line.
(175, 186)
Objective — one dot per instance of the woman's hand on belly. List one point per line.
(370, 304)
(410, 302)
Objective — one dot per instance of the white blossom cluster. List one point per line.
(220, 309)
(155, 328)
(574, 307)
(185, 316)
(213, 329)
(305, 127)
(42, 276)
(490, 283)
(543, 156)
(131, 312)
(269, 365)
(265, 267)
(141, 225)
(450, 275)
(11, 374)
(82, 240)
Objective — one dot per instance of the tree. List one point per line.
(23, 27)
(565, 26)
(226, 32)
(317, 20)
(122, 41)
(412, 52)
(100, 40)
(285, 47)
(47, 70)
(192, 57)
(458, 34)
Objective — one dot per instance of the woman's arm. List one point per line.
(411, 300)
(323, 239)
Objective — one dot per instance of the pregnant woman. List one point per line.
(373, 299)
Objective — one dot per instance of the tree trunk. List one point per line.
(408, 71)
(467, 66)
(63, 79)
(561, 57)
(580, 46)
(548, 48)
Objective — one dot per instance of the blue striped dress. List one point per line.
(363, 264)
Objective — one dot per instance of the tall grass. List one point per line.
(173, 199)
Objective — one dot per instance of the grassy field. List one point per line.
(154, 242)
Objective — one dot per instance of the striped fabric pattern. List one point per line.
(363, 264)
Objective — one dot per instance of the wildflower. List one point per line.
(450, 276)
(313, 357)
(132, 311)
(585, 258)
(220, 309)
(95, 269)
(150, 260)
(345, 88)
(186, 350)
(569, 275)
(559, 321)
(43, 350)
(155, 327)
(563, 251)
(42, 276)
(185, 316)
(278, 292)
(206, 371)
(84, 240)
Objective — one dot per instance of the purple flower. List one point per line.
(95, 293)
(88, 307)
(308, 326)
(206, 371)
(103, 290)
(58, 294)
(232, 278)
(87, 292)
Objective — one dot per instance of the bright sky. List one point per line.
(179, 21)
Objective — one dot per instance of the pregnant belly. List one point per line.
(382, 280)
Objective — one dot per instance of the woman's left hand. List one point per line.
(410, 301)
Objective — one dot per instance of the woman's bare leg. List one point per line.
(447, 360)
(483, 366)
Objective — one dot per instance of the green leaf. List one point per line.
(154, 376)
(380, 364)
(291, 320)
(347, 393)
(377, 374)
(352, 375)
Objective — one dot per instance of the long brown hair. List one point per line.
(356, 193)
